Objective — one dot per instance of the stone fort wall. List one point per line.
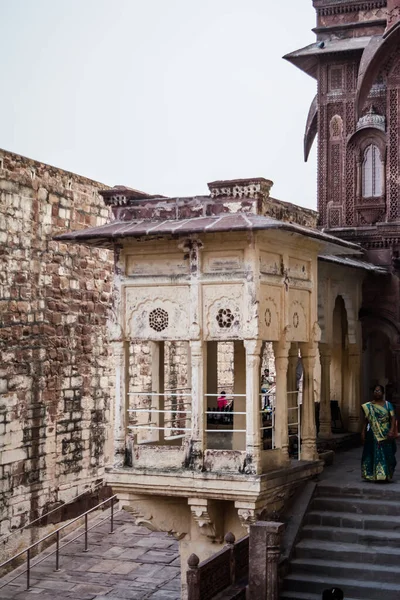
(56, 377)
(56, 369)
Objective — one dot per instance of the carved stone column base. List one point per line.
(325, 430)
(308, 450)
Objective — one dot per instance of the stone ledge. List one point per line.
(250, 488)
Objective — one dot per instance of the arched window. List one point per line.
(372, 172)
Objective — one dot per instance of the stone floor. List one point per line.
(346, 470)
(132, 563)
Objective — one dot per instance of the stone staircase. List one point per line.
(350, 539)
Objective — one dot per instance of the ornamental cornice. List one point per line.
(375, 239)
(349, 7)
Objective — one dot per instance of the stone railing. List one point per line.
(226, 571)
(230, 572)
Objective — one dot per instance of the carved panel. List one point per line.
(157, 313)
(393, 156)
(222, 262)
(299, 269)
(336, 78)
(350, 176)
(336, 127)
(334, 216)
(270, 325)
(270, 263)
(223, 311)
(299, 311)
(169, 264)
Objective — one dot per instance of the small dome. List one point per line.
(371, 119)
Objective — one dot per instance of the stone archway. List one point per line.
(339, 362)
(381, 358)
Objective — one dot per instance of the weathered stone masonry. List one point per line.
(55, 372)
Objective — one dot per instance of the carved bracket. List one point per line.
(247, 515)
(200, 511)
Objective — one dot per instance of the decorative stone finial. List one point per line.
(193, 561)
(229, 538)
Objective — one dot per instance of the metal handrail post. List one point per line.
(112, 516)
(86, 533)
(28, 550)
(299, 433)
(57, 550)
(28, 569)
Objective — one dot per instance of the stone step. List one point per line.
(309, 583)
(349, 552)
(384, 491)
(352, 535)
(351, 504)
(352, 520)
(346, 570)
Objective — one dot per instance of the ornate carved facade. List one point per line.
(198, 273)
(356, 62)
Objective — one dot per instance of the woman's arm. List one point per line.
(364, 430)
(392, 424)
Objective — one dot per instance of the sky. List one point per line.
(160, 95)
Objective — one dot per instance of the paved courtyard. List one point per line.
(133, 563)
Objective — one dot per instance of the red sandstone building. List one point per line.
(356, 62)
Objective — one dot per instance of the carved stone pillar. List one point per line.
(308, 431)
(292, 382)
(325, 422)
(281, 351)
(198, 353)
(354, 383)
(253, 407)
(120, 353)
(265, 541)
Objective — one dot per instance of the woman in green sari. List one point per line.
(378, 460)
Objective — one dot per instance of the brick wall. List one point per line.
(55, 372)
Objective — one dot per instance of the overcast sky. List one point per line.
(160, 95)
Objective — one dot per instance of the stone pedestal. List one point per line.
(264, 553)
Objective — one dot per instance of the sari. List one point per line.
(378, 459)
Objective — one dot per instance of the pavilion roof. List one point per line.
(116, 231)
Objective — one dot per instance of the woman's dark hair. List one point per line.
(333, 594)
(223, 393)
(378, 385)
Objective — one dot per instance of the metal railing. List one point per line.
(56, 533)
(297, 424)
(227, 412)
(174, 428)
(4, 538)
(176, 415)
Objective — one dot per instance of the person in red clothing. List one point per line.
(222, 401)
